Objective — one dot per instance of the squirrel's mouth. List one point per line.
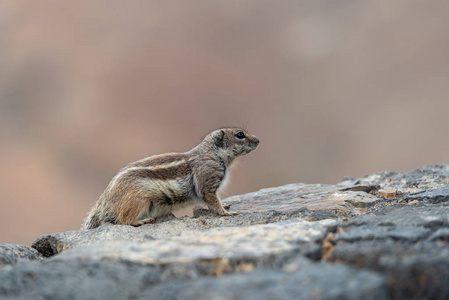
(253, 146)
(249, 149)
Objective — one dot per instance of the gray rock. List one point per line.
(423, 178)
(311, 196)
(359, 233)
(315, 281)
(382, 254)
(91, 279)
(435, 195)
(406, 215)
(11, 254)
(216, 251)
(49, 245)
(55, 243)
(440, 235)
(413, 270)
(125, 269)
(76, 279)
(406, 242)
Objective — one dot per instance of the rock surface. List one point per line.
(315, 281)
(435, 195)
(55, 243)
(92, 279)
(407, 243)
(216, 251)
(12, 254)
(383, 236)
(311, 196)
(420, 179)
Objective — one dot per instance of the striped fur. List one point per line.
(157, 185)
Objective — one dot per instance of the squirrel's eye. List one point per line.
(240, 135)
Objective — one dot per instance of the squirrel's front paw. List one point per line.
(229, 213)
(226, 206)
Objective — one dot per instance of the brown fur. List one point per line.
(156, 185)
(157, 160)
(162, 173)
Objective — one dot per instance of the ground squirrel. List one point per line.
(156, 185)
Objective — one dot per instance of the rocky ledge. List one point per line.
(382, 236)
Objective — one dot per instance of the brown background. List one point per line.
(332, 88)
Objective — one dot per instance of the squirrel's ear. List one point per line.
(219, 139)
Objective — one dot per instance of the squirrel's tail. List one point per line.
(93, 219)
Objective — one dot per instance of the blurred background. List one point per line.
(332, 88)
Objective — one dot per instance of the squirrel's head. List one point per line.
(233, 142)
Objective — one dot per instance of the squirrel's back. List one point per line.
(156, 185)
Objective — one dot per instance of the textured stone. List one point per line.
(73, 279)
(216, 251)
(407, 243)
(404, 215)
(358, 233)
(311, 196)
(55, 243)
(423, 178)
(413, 270)
(120, 269)
(49, 245)
(76, 279)
(315, 281)
(435, 195)
(11, 254)
(440, 235)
